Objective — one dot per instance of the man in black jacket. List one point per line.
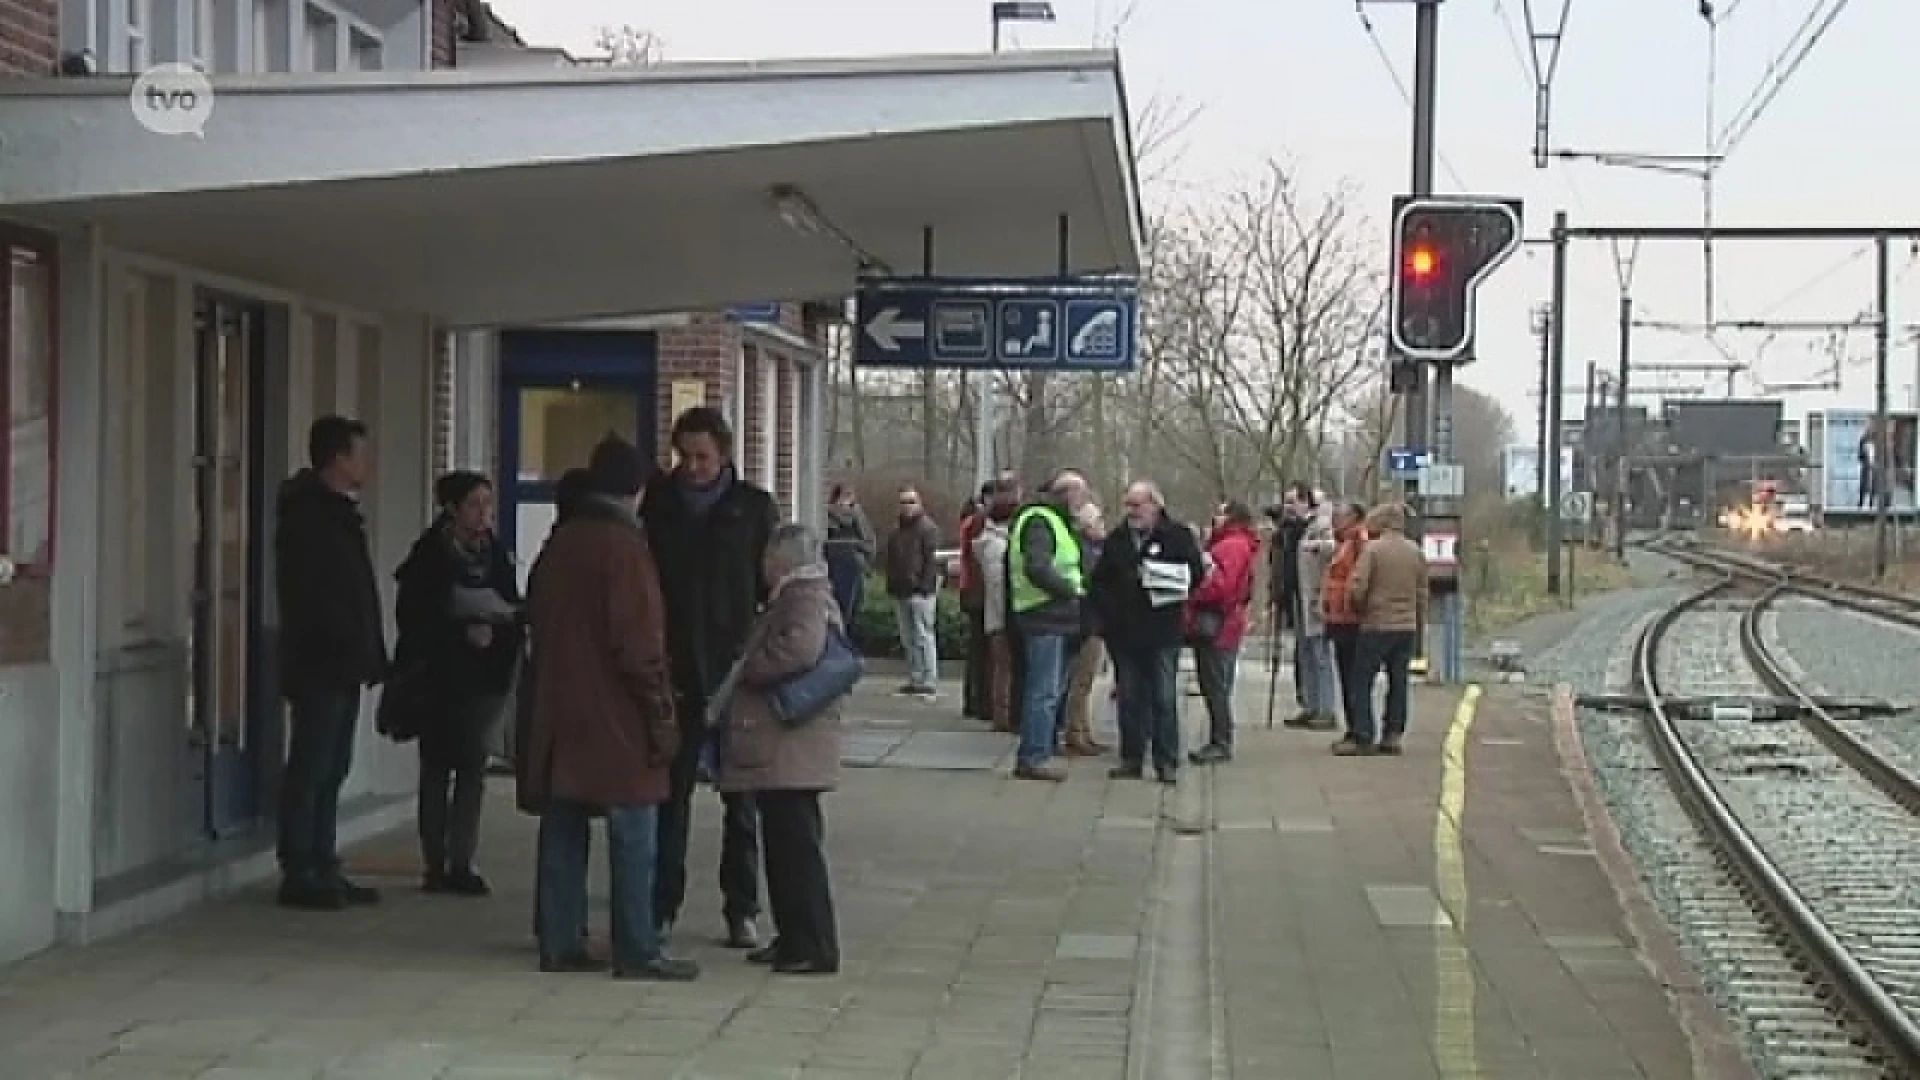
(1290, 520)
(332, 646)
(1140, 601)
(709, 530)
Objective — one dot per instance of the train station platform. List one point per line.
(1289, 915)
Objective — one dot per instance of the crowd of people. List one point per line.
(673, 631)
(1051, 596)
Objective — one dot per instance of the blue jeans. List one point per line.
(848, 573)
(562, 903)
(1319, 683)
(1393, 651)
(1046, 682)
(319, 756)
(1149, 706)
(914, 615)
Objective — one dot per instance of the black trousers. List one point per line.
(739, 840)
(453, 783)
(319, 756)
(973, 685)
(798, 888)
(1346, 664)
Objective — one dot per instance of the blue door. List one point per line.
(561, 392)
(227, 711)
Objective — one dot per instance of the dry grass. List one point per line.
(1508, 586)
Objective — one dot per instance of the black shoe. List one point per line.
(578, 963)
(1210, 754)
(766, 954)
(1169, 777)
(741, 934)
(1348, 746)
(1390, 745)
(1323, 722)
(798, 966)
(662, 968)
(1125, 771)
(309, 895)
(355, 895)
(435, 881)
(467, 883)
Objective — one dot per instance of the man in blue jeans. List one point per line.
(1044, 589)
(604, 736)
(332, 646)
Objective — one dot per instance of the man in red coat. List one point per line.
(1217, 623)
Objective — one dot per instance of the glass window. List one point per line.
(29, 477)
(366, 51)
(560, 426)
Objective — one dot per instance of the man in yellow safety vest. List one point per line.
(1045, 591)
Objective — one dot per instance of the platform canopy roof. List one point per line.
(517, 195)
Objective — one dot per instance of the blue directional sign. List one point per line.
(1059, 324)
(1405, 463)
(755, 313)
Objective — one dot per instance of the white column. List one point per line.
(811, 452)
(475, 396)
(76, 562)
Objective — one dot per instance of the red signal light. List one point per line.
(1421, 263)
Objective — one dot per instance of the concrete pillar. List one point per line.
(75, 602)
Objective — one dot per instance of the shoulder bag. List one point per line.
(815, 690)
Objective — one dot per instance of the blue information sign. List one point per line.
(1059, 324)
(1405, 463)
(755, 313)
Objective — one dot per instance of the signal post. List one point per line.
(1443, 248)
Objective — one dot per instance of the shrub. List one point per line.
(878, 634)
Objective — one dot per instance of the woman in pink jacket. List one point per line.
(1217, 622)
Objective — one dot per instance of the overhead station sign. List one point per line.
(1055, 324)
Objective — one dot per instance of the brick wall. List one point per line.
(442, 418)
(787, 436)
(29, 37)
(444, 29)
(704, 350)
(753, 435)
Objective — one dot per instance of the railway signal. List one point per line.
(1443, 248)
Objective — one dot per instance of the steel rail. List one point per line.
(1891, 1029)
(1889, 779)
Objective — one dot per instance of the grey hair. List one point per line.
(795, 545)
(1153, 492)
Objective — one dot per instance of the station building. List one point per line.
(489, 258)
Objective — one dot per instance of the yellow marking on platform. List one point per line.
(1455, 1041)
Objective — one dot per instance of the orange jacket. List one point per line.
(1335, 602)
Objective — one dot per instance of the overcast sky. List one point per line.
(1303, 79)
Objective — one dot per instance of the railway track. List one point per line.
(1813, 825)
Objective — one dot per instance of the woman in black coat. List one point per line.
(460, 641)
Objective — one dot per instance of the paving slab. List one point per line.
(1372, 932)
(1333, 924)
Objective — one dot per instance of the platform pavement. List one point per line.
(992, 928)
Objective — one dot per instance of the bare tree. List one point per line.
(628, 46)
(1261, 314)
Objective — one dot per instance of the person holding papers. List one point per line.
(1147, 569)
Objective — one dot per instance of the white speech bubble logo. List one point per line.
(172, 99)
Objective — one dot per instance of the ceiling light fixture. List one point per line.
(801, 215)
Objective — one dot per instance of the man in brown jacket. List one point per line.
(1389, 593)
(603, 733)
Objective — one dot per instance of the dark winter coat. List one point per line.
(710, 577)
(602, 729)
(1128, 622)
(332, 635)
(444, 671)
(912, 560)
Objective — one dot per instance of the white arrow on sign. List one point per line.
(888, 329)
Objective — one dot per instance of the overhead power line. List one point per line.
(1406, 95)
(1779, 72)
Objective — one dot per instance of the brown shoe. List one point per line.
(1051, 773)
